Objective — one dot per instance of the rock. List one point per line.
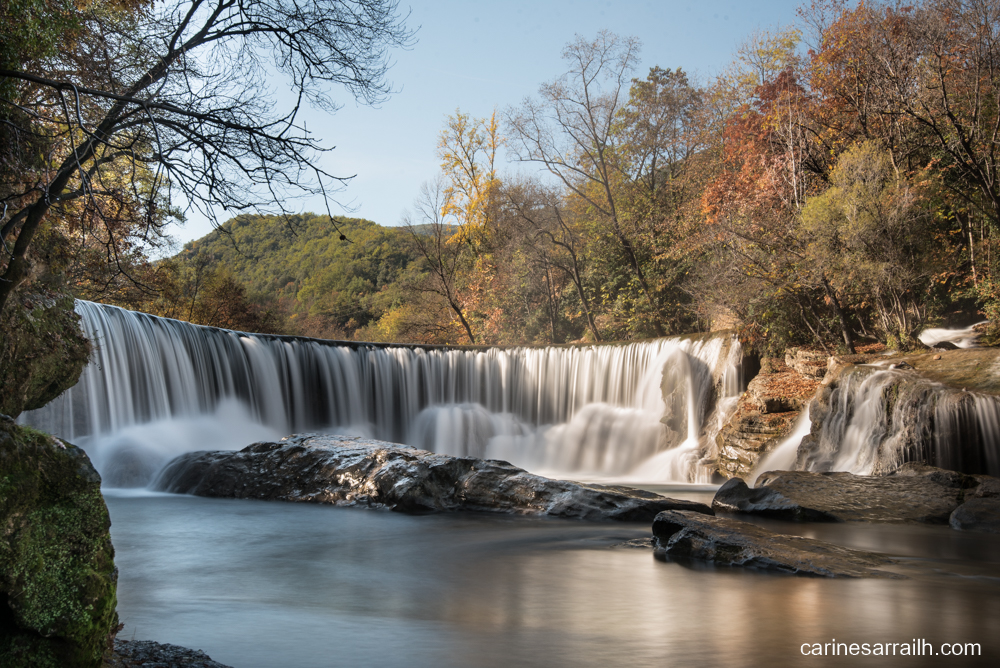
(808, 363)
(149, 654)
(977, 514)
(728, 542)
(781, 392)
(42, 350)
(944, 345)
(763, 417)
(57, 573)
(915, 493)
(350, 471)
(746, 436)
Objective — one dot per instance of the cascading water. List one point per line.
(157, 387)
(875, 419)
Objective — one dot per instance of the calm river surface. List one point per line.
(270, 585)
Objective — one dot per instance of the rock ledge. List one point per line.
(351, 471)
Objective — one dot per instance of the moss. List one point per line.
(57, 572)
(42, 350)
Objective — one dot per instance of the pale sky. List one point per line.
(475, 56)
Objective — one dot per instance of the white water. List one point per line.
(878, 420)
(965, 337)
(157, 387)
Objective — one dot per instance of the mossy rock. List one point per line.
(57, 573)
(42, 349)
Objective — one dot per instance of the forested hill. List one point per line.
(296, 275)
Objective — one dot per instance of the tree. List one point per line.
(467, 148)
(175, 100)
(555, 240)
(870, 232)
(570, 130)
(439, 245)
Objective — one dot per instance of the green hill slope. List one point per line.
(321, 284)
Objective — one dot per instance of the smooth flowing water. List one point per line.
(157, 387)
(261, 585)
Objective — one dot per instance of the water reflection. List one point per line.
(270, 584)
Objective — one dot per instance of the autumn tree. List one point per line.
(871, 234)
(439, 244)
(570, 130)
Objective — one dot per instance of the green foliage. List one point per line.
(871, 234)
(57, 572)
(313, 282)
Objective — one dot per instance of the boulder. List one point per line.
(57, 572)
(727, 542)
(977, 514)
(351, 471)
(913, 494)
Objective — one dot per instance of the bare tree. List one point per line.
(570, 130)
(440, 247)
(177, 99)
(553, 240)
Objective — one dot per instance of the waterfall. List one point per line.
(872, 420)
(157, 387)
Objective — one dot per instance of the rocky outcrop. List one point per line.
(766, 412)
(350, 471)
(913, 494)
(723, 541)
(42, 351)
(57, 572)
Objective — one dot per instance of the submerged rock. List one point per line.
(728, 542)
(914, 493)
(149, 654)
(57, 573)
(351, 471)
(978, 514)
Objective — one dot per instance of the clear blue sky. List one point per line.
(477, 56)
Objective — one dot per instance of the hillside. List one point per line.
(297, 272)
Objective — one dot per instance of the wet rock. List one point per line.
(42, 349)
(727, 542)
(350, 471)
(636, 544)
(763, 417)
(914, 494)
(944, 345)
(977, 514)
(745, 438)
(149, 654)
(57, 574)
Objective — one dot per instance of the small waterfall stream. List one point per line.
(157, 387)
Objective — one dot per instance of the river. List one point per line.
(269, 584)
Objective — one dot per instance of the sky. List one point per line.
(477, 56)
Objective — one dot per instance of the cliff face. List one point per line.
(42, 349)
(57, 572)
